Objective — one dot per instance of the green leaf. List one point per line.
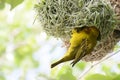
(81, 65)
(118, 66)
(14, 3)
(2, 4)
(116, 77)
(2, 77)
(2, 49)
(106, 69)
(97, 77)
(22, 52)
(66, 74)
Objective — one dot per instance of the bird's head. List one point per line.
(95, 32)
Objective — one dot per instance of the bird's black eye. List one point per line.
(71, 33)
(78, 29)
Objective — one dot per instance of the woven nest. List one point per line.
(59, 17)
(107, 46)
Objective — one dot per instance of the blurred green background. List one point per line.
(26, 52)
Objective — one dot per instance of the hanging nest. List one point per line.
(59, 17)
(107, 46)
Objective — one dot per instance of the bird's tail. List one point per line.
(64, 59)
(56, 63)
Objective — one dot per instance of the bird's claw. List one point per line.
(73, 63)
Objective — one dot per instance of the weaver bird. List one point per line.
(82, 42)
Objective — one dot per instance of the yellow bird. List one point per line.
(82, 42)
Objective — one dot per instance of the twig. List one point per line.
(85, 72)
(93, 65)
(35, 18)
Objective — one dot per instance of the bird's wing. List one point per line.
(81, 52)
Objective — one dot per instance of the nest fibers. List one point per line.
(59, 17)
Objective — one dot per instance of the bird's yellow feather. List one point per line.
(82, 42)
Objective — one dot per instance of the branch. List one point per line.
(93, 65)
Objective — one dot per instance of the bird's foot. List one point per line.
(73, 63)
